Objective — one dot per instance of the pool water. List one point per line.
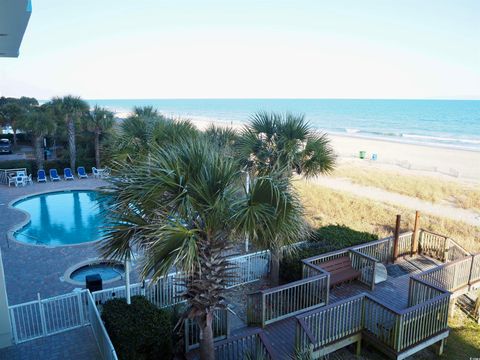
(61, 218)
(105, 270)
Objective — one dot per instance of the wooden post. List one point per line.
(358, 348)
(395, 240)
(416, 229)
(440, 347)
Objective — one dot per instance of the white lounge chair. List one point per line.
(54, 175)
(67, 174)
(41, 176)
(96, 173)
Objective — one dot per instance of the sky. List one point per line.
(248, 49)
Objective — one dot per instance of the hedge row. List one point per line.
(323, 240)
(139, 331)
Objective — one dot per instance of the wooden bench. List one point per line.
(340, 270)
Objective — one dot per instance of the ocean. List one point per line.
(447, 123)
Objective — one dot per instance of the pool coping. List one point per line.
(26, 221)
(68, 273)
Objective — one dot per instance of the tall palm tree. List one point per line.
(98, 122)
(38, 123)
(70, 109)
(182, 209)
(145, 129)
(283, 144)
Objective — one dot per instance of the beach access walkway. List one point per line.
(376, 194)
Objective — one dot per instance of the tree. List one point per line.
(12, 111)
(70, 109)
(145, 129)
(38, 123)
(98, 122)
(282, 144)
(183, 209)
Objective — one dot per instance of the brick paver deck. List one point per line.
(31, 269)
(77, 344)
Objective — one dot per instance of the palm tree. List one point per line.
(145, 129)
(38, 123)
(70, 109)
(98, 122)
(283, 144)
(182, 209)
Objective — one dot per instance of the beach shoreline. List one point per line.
(406, 157)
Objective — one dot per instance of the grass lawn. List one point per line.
(464, 339)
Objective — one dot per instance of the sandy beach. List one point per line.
(450, 163)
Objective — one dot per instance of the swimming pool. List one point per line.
(107, 270)
(61, 218)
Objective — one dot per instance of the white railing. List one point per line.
(50, 316)
(104, 343)
(165, 292)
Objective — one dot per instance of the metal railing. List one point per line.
(267, 306)
(35, 319)
(105, 346)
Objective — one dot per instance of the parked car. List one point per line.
(5, 146)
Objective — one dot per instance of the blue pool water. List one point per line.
(61, 218)
(107, 271)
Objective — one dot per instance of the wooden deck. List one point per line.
(394, 291)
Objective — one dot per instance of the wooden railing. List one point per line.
(423, 321)
(475, 273)
(433, 245)
(380, 249)
(393, 328)
(192, 331)
(267, 306)
(455, 251)
(405, 243)
(420, 291)
(330, 323)
(450, 276)
(366, 265)
(253, 345)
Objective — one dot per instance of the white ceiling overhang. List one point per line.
(14, 16)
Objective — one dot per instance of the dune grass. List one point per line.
(325, 206)
(464, 339)
(423, 187)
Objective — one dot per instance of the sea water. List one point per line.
(451, 123)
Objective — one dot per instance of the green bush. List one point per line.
(323, 240)
(139, 331)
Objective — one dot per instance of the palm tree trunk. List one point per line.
(97, 149)
(39, 152)
(71, 141)
(207, 350)
(275, 267)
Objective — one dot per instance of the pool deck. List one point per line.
(31, 269)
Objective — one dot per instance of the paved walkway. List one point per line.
(31, 269)
(77, 344)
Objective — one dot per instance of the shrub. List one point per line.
(323, 240)
(138, 331)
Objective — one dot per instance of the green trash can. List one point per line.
(362, 154)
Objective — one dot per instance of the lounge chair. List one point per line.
(67, 174)
(81, 173)
(41, 176)
(54, 175)
(20, 181)
(95, 172)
